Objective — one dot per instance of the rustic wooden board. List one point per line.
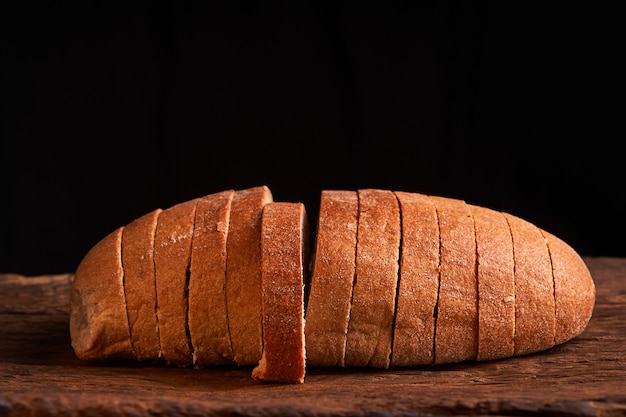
(39, 374)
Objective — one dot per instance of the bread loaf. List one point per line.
(398, 279)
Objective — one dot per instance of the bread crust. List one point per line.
(414, 327)
(456, 327)
(369, 338)
(243, 274)
(208, 315)
(140, 285)
(534, 288)
(332, 277)
(98, 322)
(283, 254)
(172, 253)
(496, 284)
(398, 279)
(574, 289)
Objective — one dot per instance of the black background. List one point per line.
(113, 110)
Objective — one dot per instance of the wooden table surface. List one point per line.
(40, 376)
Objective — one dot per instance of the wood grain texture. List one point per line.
(40, 375)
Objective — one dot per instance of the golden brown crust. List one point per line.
(208, 316)
(243, 274)
(574, 290)
(284, 233)
(333, 269)
(496, 284)
(172, 252)
(140, 285)
(419, 280)
(534, 288)
(398, 279)
(456, 330)
(373, 301)
(98, 322)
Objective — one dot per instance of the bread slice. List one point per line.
(243, 274)
(284, 253)
(496, 284)
(98, 322)
(332, 277)
(456, 331)
(574, 290)
(534, 288)
(208, 316)
(414, 328)
(370, 328)
(172, 253)
(140, 285)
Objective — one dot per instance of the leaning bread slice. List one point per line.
(98, 322)
(284, 253)
(332, 276)
(534, 288)
(574, 290)
(243, 274)
(414, 328)
(140, 285)
(496, 284)
(370, 328)
(208, 317)
(172, 252)
(457, 312)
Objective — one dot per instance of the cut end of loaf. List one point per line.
(98, 322)
(574, 290)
